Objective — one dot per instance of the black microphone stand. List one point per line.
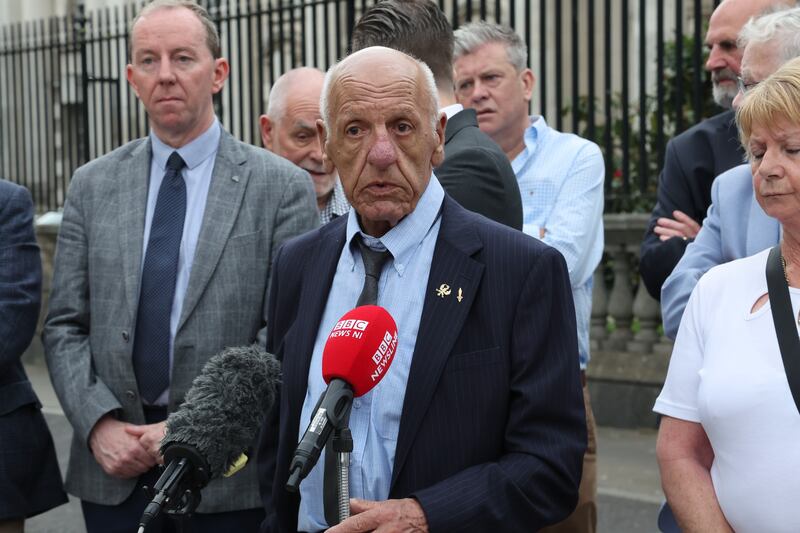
(177, 491)
(331, 416)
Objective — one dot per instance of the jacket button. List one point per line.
(125, 336)
(130, 395)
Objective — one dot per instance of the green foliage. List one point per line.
(640, 196)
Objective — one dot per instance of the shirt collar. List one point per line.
(337, 204)
(451, 110)
(531, 138)
(193, 153)
(403, 239)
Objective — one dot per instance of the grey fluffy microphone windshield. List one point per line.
(225, 406)
(216, 424)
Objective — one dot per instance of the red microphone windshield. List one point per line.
(360, 348)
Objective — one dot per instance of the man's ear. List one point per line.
(437, 158)
(328, 165)
(221, 71)
(129, 76)
(267, 131)
(528, 81)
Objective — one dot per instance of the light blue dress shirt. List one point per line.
(199, 156)
(560, 178)
(375, 417)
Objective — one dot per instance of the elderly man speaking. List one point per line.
(479, 422)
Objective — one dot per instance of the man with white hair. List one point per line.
(478, 425)
(736, 226)
(289, 129)
(695, 157)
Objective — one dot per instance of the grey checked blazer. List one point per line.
(255, 202)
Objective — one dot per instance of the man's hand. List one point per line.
(390, 516)
(150, 437)
(118, 453)
(542, 232)
(682, 226)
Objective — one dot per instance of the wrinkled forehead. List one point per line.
(377, 92)
(760, 60)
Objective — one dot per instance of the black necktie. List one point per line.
(373, 265)
(159, 273)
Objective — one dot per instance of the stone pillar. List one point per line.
(599, 318)
(620, 301)
(648, 311)
(46, 227)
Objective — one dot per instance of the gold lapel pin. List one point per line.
(460, 296)
(443, 290)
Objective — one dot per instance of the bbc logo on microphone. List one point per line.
(349, 328)
(383, 355)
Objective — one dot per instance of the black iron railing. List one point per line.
(64, 98)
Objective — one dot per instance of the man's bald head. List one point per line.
(289, 127)
(306, 80)
(724, 56)
(383, 59)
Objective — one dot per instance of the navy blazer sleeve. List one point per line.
(692, 160)
(20, 274)
(658, 257)
(535, 482)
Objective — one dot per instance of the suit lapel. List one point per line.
(228, 184)
(442, 319)
(134, 172)
(299, 344)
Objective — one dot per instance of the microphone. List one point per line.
(207, 436)
(357, 354)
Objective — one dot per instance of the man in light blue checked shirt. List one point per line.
(560, 178)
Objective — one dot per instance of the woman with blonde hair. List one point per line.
(729, 443)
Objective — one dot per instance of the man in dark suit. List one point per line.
(698, 155)
(163, 260)
(478, 425)
(475, 171)
(30, 482)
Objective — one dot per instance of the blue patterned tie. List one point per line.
(151, 342)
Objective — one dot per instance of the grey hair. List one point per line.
(428, 80)
(781, 26)
(212, 35)
(472, 36)
(276, 104)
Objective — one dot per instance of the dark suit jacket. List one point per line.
(30, 481)
(692, 160)
(476, 172)
(492, 431)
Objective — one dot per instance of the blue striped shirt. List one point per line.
(375, 417)
(560, 179)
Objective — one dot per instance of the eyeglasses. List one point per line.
(744, 86)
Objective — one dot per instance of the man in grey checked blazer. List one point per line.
(254, 202)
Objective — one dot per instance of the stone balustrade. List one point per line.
(629, 354)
